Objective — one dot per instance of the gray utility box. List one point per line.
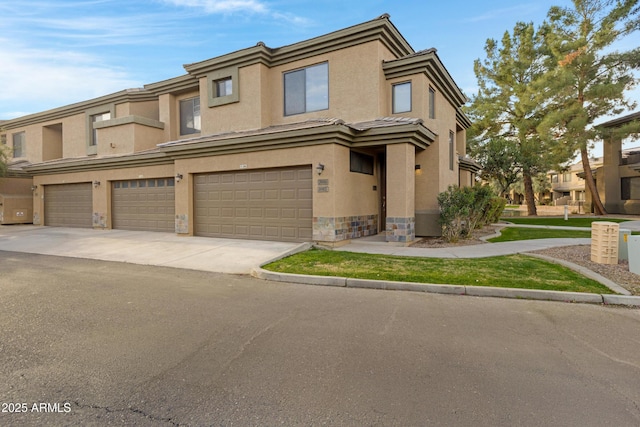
(633, 245)
(623, 252)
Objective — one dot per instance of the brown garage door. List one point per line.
(143, 204)
(68, 205)
(267, 204)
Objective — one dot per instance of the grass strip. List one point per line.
(512, 271)
(510, 234)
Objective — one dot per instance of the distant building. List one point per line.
(618, 179)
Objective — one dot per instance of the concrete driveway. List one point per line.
(146, 248)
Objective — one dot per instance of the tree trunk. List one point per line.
(529, 197)
(598, 207)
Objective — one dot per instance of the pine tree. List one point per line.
(507, 108)
(588, 80)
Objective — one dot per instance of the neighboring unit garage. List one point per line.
(143, 204)
(265, 204)
(68, 205)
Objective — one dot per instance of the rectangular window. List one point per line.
(566, 177)
(630, 188)
(432, 103)
(94, 119)
(452, 150)
(361, 163)
(306, 90)
(401, 97)
(3, 139)
(554, 178)
(190, 116)
(18, 145)
(224, 87)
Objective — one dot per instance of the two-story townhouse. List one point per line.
(345, 135)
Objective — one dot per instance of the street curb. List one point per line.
(584, 271)
(479, 291)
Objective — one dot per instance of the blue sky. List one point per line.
(57, 52)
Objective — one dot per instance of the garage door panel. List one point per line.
(69, 205)
(144, 205)
(272, 204)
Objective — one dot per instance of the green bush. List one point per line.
(462, 209)
(494, 210)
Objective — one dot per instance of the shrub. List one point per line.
(464, 209)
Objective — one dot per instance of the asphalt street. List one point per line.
(88, 342)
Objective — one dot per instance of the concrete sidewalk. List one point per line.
(376, 245)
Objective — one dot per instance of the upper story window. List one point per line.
(3, 139)
(224, 87)
(94, 119)
(566, 177)
(554, 178)
(401, 97)
(18, 145)
(432, 103)
(190, 116)
(306, 90)
(452, 149)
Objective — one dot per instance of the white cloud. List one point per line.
(51, 79)
(222, 6)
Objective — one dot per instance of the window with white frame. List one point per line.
(18, 144)
(190, 116)
(306, 89)
(401, 94)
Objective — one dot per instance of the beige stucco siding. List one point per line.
(349, 99)
(242, 115)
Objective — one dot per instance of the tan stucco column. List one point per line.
(401, 188)
(608, 176)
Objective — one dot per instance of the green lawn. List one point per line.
(571, 222)
(513, 271)
(510, 234)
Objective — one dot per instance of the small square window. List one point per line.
(151, 182)
(142, 183)
(224, 87)
(170, 182)
(116, 185)
(134, 184)
(125, 184)
(161, 183)
(402, 97)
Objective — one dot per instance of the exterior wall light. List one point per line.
(34, 187)
(319, 168)
(96, 184)
(178, 177)
(418, 170)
